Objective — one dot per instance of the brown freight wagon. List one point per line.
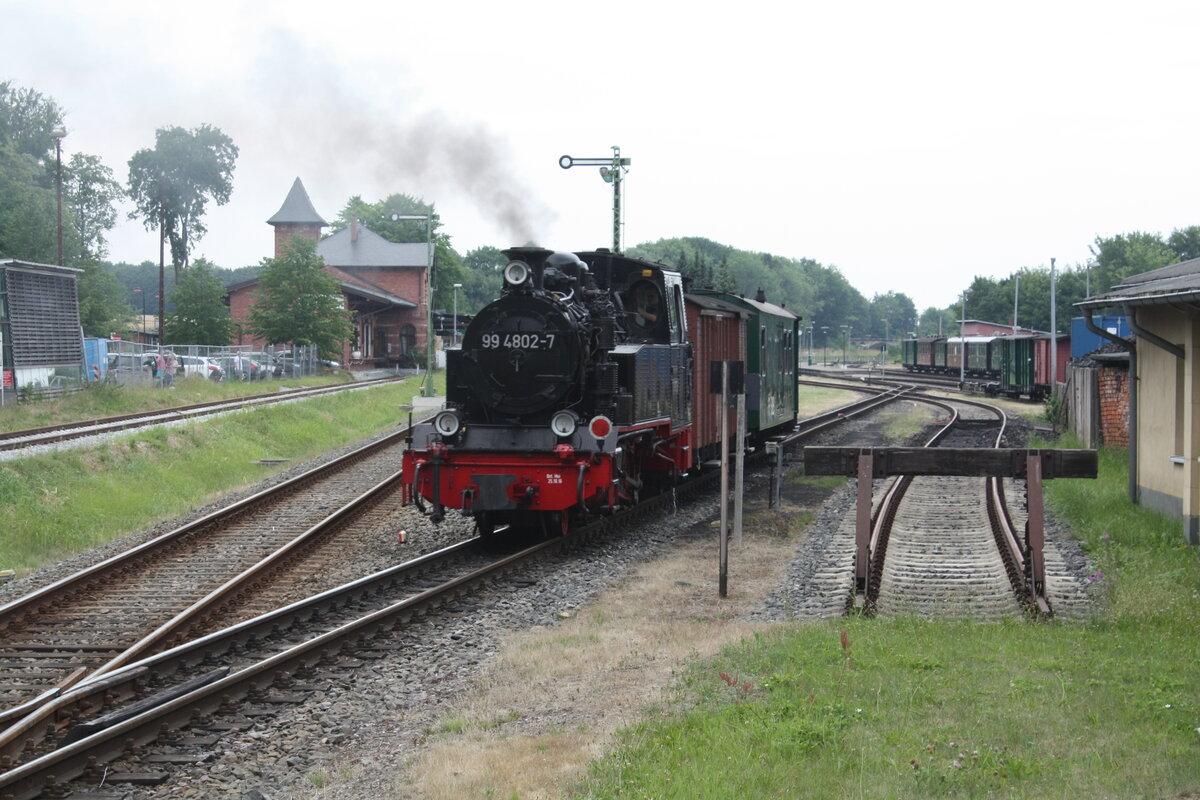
(717, 331)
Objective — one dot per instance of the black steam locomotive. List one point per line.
(567, 394)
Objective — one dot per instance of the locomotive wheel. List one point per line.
(556, 523)
(485, 525)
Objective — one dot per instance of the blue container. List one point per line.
(95, 359)
(1083, 341)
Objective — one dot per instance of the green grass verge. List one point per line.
(98, 400)
(906, 708)
(55, 505)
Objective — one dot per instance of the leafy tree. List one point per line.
(300, 303)
(1185, 242)
(103, 307)
(27, 174)
(482, 278)
(200, 315)
(1128, 254)
(893, 315)
(90, 192)
(172, 184)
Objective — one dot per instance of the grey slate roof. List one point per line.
(1177, 283)
(297, 209)
(370, 250)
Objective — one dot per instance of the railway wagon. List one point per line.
(771, 363)
(939, 350)
(908, 354)
(1017, 375)
(954, 354)
(978, 350)
(717, 330)
(1042, 361)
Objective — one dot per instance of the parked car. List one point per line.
(129, 364)
(200, 366)
(240, 367)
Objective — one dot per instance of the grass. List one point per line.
(907, 708)
(58, 504)
(108, 399)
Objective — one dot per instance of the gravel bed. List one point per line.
(363, 727)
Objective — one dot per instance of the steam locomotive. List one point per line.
(579, 391)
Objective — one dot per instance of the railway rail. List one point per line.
(116, 610)
(73, 728)
(56, 434)
(947, 545)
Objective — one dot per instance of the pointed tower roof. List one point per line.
(297, 209)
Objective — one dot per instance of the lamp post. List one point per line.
(810, 344)
(427, 390)
(57, 134)
(824, 345)
(138, 290)
(457, 286)
(845, 344)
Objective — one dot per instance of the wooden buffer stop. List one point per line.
(1034, 466)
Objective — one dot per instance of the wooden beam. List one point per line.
(970, 461)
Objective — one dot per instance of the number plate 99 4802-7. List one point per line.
(518, 341)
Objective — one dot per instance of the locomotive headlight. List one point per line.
(447, 423)
(563, 423)
(516, 273)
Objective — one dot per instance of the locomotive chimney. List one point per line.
(761, 297)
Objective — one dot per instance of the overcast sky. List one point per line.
(913, 145)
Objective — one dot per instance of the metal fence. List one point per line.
(131, 363)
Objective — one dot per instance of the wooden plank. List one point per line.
(983, 462)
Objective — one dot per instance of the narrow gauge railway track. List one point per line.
(56, 636)
(55, 434)
(945, 545)
(218, 670)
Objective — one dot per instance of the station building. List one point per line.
(1162, 308)
(385, 285)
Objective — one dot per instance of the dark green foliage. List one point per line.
(481, 278)
(300, 303)
(90, 193)
(103, 309)
(172, 184)
(27, 174)
(201, 316)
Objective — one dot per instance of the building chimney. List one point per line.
(354, 229)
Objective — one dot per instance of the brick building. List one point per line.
(385, 285)
(1163, 310)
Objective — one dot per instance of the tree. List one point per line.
(90, 193)
(201, 316)
(103, 308)
(1128, 254)
(482, 279)
(27, 179)
(1185, 242)
(300, 303)
(172, 184)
